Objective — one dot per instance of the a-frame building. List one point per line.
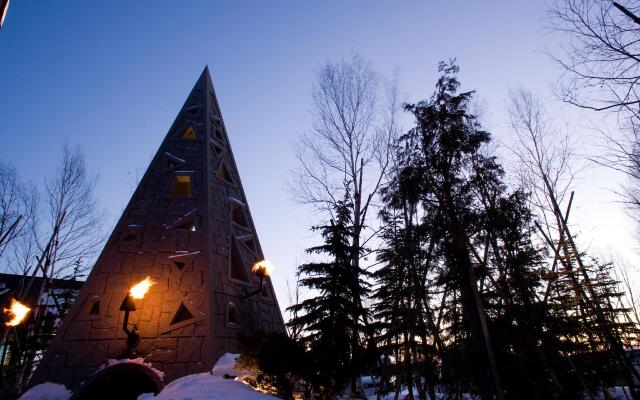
(189, 228)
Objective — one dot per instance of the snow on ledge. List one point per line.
(111, 362)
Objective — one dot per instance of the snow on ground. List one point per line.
(210, 386)
(47, 391)
(206, 386)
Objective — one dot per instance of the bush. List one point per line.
(277, 361)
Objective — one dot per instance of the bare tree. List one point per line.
(547, 174)
(600, 58)
(18, 209)
(349, 144)
(601, 54)
(70, 204)
(347, 149)
(545, 156)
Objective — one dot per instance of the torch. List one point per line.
(262, 269)
(17, 311)
(16, 314)
(137, 291)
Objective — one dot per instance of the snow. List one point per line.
(47, 391)
(178, 159)
(210, 386)
(111, 362)
(181, 254)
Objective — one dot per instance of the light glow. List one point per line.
(18, 312)
(262, 268)
(141, 288)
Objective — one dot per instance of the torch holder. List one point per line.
(133, 338)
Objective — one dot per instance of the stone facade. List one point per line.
(189, 228)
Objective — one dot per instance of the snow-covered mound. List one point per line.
(205, 386)
(47, 391)
(210, 386)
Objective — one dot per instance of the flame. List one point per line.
(141, 288)
(262, 268)
(18, 312)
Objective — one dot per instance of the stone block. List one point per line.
(100, 352)
(148, 329)
(78, 330)
(188, 349)
(81, 356)
(163, 356)
(116, 348)
(101, 334)
(165, 343)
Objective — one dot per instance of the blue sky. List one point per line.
(112, 75)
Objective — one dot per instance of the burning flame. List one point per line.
(141, 288)
(18, 312)
(262, 268)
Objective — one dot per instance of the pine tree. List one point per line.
(327, 318)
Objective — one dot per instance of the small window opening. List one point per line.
(130, 236)
(171, 164)
(223, 173)
(180, 264)
(94, 307)
(183, 314)
(194, 110)
(189, 134)
(216, 149)
(237, 268)
(237, 214)
(187, 226)
(6, 350)
(249, 242)
(232, 314)
(181, 186)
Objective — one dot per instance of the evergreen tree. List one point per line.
(327, 318)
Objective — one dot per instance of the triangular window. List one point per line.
(217, 150)
(182, 259)
(250, 244)
(189, 134)
(130, 236)
(217, 133)
(183, 314)
(193, 110)
(173, 162)
(237, 214)
(248, 241)
(94, 307)
(223, 173)
(179, 264)
(237, 269)
(188, 225)
(233, 316)
(181, 186)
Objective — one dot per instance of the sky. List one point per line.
(110, 76)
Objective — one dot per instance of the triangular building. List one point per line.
(187, 227)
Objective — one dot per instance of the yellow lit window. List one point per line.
(181, 186)
(189, 134)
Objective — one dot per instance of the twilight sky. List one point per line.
(112, 75)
